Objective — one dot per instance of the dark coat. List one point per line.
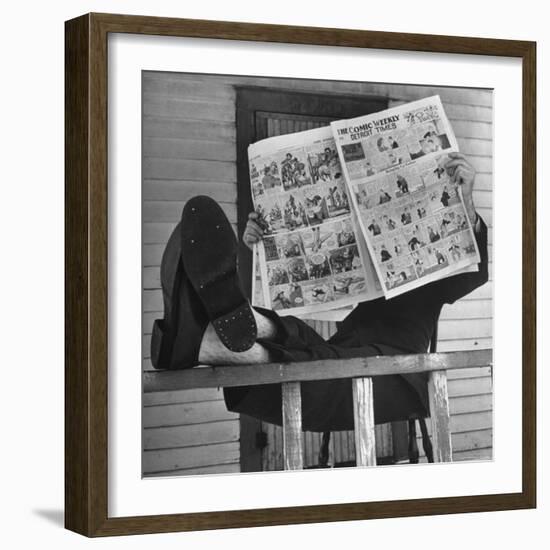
(404, 324)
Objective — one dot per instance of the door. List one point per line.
(261, 114)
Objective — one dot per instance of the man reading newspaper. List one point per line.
(208, 320)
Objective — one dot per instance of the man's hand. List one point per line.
(462, 174)
(253, 233)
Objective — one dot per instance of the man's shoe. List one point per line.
(176, 339)
(209, 254)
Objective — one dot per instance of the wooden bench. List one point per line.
(360, 369)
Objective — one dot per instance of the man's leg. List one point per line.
(214, 352)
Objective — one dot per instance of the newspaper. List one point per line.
(412, 216)
(357, 210)
(335, 315)
(313, 257)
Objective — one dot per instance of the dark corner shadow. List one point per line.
(56, 517)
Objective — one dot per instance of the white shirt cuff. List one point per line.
(477, 223)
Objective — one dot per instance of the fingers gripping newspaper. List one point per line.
(411, 214)
(357, 211)
(312, 257)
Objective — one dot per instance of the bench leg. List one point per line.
(292, 426)
(440, 416)
(363, 410)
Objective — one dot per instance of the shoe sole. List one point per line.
(175, 344)
(209, 253)
(164, 330)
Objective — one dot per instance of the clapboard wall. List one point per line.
(189, 138)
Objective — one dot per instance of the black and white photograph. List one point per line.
(427, 211)
(223, 353)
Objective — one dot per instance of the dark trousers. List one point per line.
(327, 404)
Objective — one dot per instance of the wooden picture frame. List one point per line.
(86, 223)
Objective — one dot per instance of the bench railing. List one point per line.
(360, 369)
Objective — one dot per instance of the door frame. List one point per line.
(249, 101)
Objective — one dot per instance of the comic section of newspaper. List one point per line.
(310, 258)
(411, 214)
(258, 298)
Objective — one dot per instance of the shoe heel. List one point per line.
(237, 330)
(161, 345)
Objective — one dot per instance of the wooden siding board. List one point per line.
(467, 310)
(181, 396)
(190, 457)
(158, 233)
(167, 127)
(464, 344)
(225, 431)
(183, 190)
(473, 146)
(183, 148)
(473, 372)
(231, 468)
(185, 169)
(151, 254)
(471, 403)
(184, 108)
(171, 85)
(459, 329)
(179, 414)
(170, 211)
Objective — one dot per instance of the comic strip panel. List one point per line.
(297, 270)
(316, 207)
(385, 191)
(336, 198)
(431, 138)
(405, 182)
(289, 245)
(269, 176)
(345, 259)
(404, 212)
(294, 210)
(388, 220)
(324, 164)
(271, 249)
(432, 171)
(357, 164)
(425, 132)
(442, 196)
(420, 208)
(345, 233)
(461, 246)
(255, 180)
(384, 152)
(432, 230)
(319, 291)
(415, 236)
(430, 259)
(277, 273)
(319, 237)
(451, 221)
(328, 236)
(286, 297)
(270, 216)
(398, 272)
(349, 284)
(294, 169)
(318, 265)
(397, 245)
(366, 195)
